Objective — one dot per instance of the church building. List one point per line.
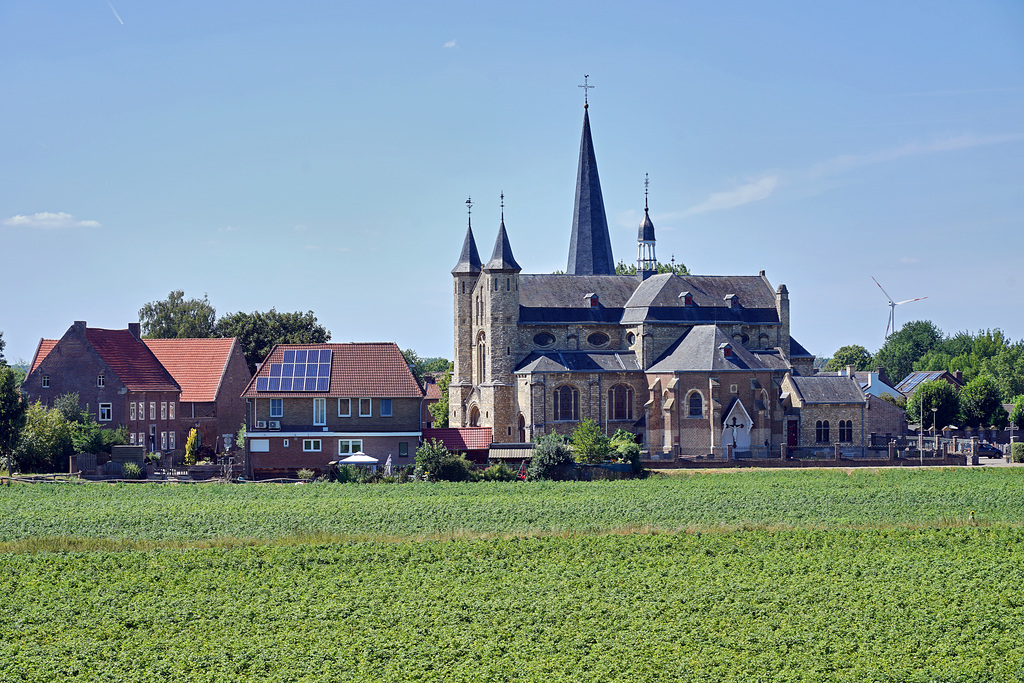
(694, 364)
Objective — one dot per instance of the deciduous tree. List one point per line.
(439, 410)
(258, 332)
(980, 405)
(938, 394)
(177, 317)
(589, 443)
(853, 354)
(12, 414)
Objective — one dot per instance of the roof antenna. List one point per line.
(585, 89)
(469, 210)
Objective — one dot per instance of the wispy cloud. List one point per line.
(847, 162)
(753, 191)
(115, 13)
(228, 228)
(450, 43)
(48, 221)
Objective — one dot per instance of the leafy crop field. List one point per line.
(748, 576)
(706, 500)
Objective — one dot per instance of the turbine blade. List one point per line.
(909, 300)
(882, 288)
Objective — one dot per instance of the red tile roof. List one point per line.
(198, 365)
(131, 360)
(433, 392)
(358, 369)
(460, 438)
(45, 346)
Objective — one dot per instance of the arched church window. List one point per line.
(846, 431)
(696, 405)
(522, 428)
(620, 403)
(474, 417)
(567, 404)
(821, 431)
(481, 358)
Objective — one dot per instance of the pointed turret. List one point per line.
(590, 247)
(646, 262)
(469, 260)
(501, 257)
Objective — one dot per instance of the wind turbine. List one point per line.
(892, 307)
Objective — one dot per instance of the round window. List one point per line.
(543, 339)
(598, 339)
(630, 338)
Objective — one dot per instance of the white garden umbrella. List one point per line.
(387, 466)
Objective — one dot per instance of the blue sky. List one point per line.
(318, 155)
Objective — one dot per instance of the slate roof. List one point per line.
(197, 365)
(796, 350)
(501, 257)
(579, 361)
(460, 438)
(828, 389)
(131, 360)
(645, 233)
(590, 246)
(545, 299)
(700, 349)
(43, 350)
(469, 260)
(358, 369)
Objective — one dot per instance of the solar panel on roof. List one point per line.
(302, 370)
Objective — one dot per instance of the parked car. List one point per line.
(989, 451)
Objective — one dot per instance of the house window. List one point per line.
(344, 407)
(131, 437)
(311, 445)
(106, 412)
(733, 388)
(319, 411)
(385, 407)
(142, 410)
(696, 405)
(403, 449)
(163, 410)
(142, 439)
(349, 446)
(131, 415)
(620, 403)
(276, 407)
(170, 407)
(170, 440)
(846, 431)
(100, 381)
(46, 381)
(567, 404)
(152, 410)
(821, 431)
(163, 441)
(365, 407)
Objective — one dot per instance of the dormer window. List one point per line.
(100, 380)
(593, 300)
(726, 349)
(686, 298)
(732, 300)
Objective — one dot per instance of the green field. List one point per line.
(739, 576)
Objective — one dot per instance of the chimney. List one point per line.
(849, 371)
(134, 329)
(79, 325)
(959, 376)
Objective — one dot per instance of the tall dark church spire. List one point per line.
(590, 247)
(501, 257)
(469, 259)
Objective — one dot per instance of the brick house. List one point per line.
(119, 382)
(353, 397)
(212, 374)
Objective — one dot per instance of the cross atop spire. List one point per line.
(585, 89)
(469, 210)
(647, 181)
(502, 206)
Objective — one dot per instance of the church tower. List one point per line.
(590, 247)
(646, 262)
(466, 273)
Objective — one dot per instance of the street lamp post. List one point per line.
(920, 434)
(935, 431)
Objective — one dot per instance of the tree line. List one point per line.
(991, 366)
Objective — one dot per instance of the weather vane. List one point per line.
(647, 181)
(503, 205)
(585, 89)
(469, 209)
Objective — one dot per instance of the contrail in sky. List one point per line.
(115, 12)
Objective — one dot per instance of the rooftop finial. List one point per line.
(469, 210)
(502, 206)
(585, 89)
(647, 181)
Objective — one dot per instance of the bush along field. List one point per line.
(748, 576)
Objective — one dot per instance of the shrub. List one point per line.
(552, 459)
(131, 470)
(305, 474)
(498, 472)
(589, 443)
(1017, 452)
(435, 463)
